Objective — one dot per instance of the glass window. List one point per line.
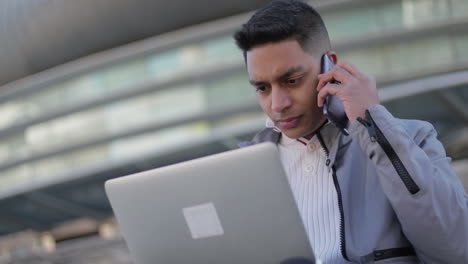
(461, 92)
(65, 131)
(229, 91)
(369, 61)
(160, 141)
(349, 23)
(36, 171)
(390, 15)
(13, 147)
(420, 12)
(461, 48)
(11, 112)
(16, 176)
(66, 93)
(158, 107)
(153, 143)
(459, 8)
(126, 74)
(415, 107)
(404, 58)
(241, 123)
(57, 165)
(163, 65)
(417, 55)
(222, 50)
(121, 76)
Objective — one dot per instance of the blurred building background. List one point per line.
(95, 89)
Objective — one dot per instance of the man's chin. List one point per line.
(291, 133)
(299, 133)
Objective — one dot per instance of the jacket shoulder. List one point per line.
(418, 129)
(265, 135)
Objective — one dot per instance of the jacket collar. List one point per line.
(330, 137)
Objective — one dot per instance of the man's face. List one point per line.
(285, 77)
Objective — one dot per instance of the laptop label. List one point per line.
(203, 221)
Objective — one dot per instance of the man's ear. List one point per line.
(333, 56)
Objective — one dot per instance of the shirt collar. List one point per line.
(285, 140)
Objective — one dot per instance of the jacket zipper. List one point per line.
(340, 199)
(376, 135)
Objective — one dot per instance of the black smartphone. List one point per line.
(333, 108)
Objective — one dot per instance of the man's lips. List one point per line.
(289, 122)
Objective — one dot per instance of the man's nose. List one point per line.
(280, 99)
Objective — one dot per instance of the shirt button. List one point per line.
(312, 147)
(308, 168)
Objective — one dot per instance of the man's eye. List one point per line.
(294, 81)
(261, 89)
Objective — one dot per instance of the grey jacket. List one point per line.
(400, 200)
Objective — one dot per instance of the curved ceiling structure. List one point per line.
(37, 35)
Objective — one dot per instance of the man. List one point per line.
(385, 192)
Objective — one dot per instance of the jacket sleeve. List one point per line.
(418, 180)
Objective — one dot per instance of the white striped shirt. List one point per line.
(312, 184)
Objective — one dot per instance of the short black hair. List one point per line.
(281, 20)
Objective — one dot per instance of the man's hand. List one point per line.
(357, 91)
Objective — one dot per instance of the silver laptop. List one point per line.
(233, 207)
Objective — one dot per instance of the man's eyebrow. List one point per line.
(256, 83)
(290, 72)
(282, 76)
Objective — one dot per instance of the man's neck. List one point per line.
(311, 135)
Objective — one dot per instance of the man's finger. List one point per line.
(322, 81)
(335, 74)
(351, 68)
(329, 89)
